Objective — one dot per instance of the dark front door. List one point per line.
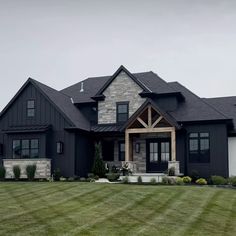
(158, 154)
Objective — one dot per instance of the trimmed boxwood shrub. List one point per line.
(179, 181)
(218, 180)
(153, 181)
(113, 176)
(232, 181)
(187, 179)
(2, 172)
(164, 180)
(201, 181)
(16, 172)
(30, 171)
(57, 174)
(139, 180)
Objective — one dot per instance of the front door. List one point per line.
(158, 154)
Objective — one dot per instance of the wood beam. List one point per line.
(173, 145)
(127, 143)
(149, 116)
(150, 130)
(157, 121)
(142, 122)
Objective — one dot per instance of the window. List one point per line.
(30, 108)
(122, 151)
(199, 147)
(25, 148)
(153, 152)
(108, 150)
(122, 110)
(165, 151)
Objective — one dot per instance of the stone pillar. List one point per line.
(174, 164)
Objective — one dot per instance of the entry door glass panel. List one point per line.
(165, 151)
(153, 152)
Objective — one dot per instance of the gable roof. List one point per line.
(227, 105)
(60, 101)
(92, 86)
(194, 108)
(165, 115)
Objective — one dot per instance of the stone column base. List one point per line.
(174, 164)
(131, 165)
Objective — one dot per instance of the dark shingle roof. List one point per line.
(194, 108)
(106, 128)
(65, 105)
(226, 105)
(92, 85)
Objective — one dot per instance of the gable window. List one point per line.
(199, 147)
(122, 112)
(25, 148)
(30, 108)
(122, 151)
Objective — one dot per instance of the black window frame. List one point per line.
(199, 155)
(118, 120)
(30, 149)
(121, 153)
(30, 109)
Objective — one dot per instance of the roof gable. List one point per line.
(99, 94)
(59, 101)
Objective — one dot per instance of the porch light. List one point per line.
(59, 147)
(137, 147)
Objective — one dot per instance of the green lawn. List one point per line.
(113, 209)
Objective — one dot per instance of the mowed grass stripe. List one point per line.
(72, 216)
(138, 215)
(208, 219)
(31, 209)
(230, 224)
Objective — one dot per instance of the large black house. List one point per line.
(138, 118)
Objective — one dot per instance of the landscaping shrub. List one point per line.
(194, 175)
(57, 174)
(187, 179)
(125, 180)
(171, 181)
(179, 181)
(2, 172)
(113, 176)
(16, 172)
(164, 180)
(114, 169)
(232, 181)
(218, 180)
(171, 171)
(139, 180)
(91, 175)
(201, 181)
(98, 165)
(30, 171)
(153, 181)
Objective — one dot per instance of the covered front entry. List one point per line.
(158, 130)
(158, 154)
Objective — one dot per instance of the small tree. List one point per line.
(16, 172)
(98, 165)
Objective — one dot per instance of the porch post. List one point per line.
(173, 145)
(126, 146)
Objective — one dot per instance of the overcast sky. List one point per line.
(61, 42)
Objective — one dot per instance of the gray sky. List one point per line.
(62, 42)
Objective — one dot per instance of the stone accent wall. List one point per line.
(174, 164)
(140, 158)
(43, 169)
(122, 89)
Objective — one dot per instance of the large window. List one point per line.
(30, 108)
(122, 151)
(199, 147)
(25, 148)
(122, 110)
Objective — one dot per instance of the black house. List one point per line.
(139, 119)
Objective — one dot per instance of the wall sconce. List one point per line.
(137, 147)
(59, 147)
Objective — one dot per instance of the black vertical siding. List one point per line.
(218, 164)
(46, 113)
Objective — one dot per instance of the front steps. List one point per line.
(146, 177)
